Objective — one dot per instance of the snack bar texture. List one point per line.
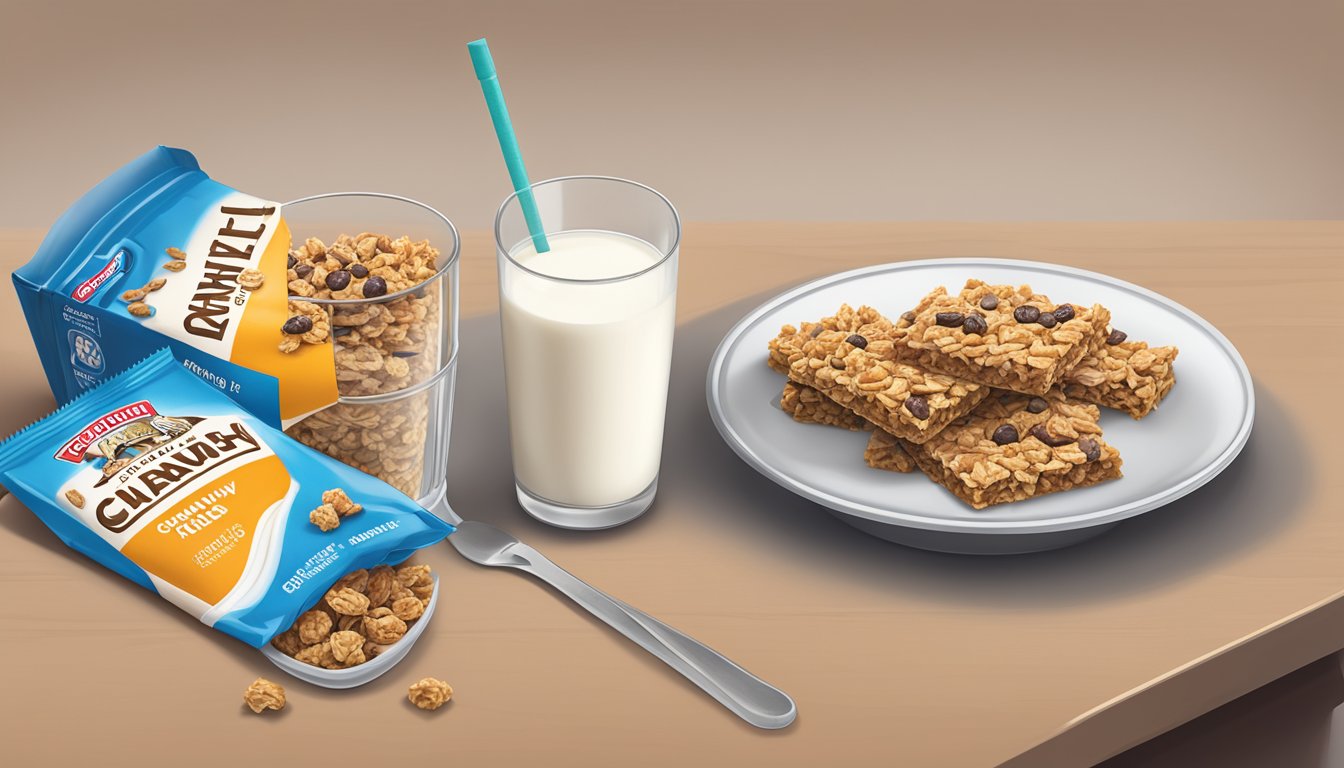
(1125, 375)
(1015, 447)
(1001, 336)
(160, 477)
(849, 358)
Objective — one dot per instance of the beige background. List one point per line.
(839, 110)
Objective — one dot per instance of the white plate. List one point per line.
(1193, 435)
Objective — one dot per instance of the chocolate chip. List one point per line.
(975, 324)
(303, 270)
(816, 331)
(908, 317)
(1026, 314)
(359, 270)
(917, 406)
(343, 330)
(1064, 313)
(1116, 337)
(374, 286)
(949, 319)
(857, 341)
(404, 354)
(1047, 320)
(1005, 434)
(1091, 451)
(297, 325)
(338, 280)
(989, 301)
(1041, 433)
(1037, 405)
(291, 262)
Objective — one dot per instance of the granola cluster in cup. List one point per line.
(382, 345)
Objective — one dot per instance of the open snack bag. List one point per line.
(162, 478)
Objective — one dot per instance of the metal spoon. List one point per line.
(749, 697)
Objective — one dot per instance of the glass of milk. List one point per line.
(587, 332)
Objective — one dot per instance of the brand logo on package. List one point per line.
(87, 288)
(75, 450)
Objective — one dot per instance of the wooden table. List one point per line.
(895, 656)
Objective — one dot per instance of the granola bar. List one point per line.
(1000, 336)
(849, 357)
(1015, 447)
(1125, 375)
(886, 452)
(809, 406)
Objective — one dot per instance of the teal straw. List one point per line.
(508, 142)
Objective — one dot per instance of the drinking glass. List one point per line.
(587, 331)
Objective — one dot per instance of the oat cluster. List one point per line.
(361, 616)
(335, 505)
(262, 695)
(135, 298)
(430, 693)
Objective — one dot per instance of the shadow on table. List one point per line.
(1247, 504)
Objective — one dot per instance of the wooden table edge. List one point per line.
(1194, 688)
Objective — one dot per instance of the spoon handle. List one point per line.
(746, 695)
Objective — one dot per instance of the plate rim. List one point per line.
(1107, 515)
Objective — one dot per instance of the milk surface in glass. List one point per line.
(587, 366)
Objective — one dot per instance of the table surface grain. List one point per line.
(893, 654)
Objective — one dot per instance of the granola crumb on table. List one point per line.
(430, 693)
(263, 694)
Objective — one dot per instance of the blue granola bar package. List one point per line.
(160, 477)
(160, 254)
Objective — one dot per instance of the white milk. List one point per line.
(587, 366)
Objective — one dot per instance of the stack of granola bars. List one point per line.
(991, 392)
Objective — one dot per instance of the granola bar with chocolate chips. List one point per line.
(854, 365)
(1015, 447)
(809, 406)
(1125, 375)
(1001, 336)
(886, 452)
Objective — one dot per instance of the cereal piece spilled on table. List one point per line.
(262, 695)
(430, 693)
